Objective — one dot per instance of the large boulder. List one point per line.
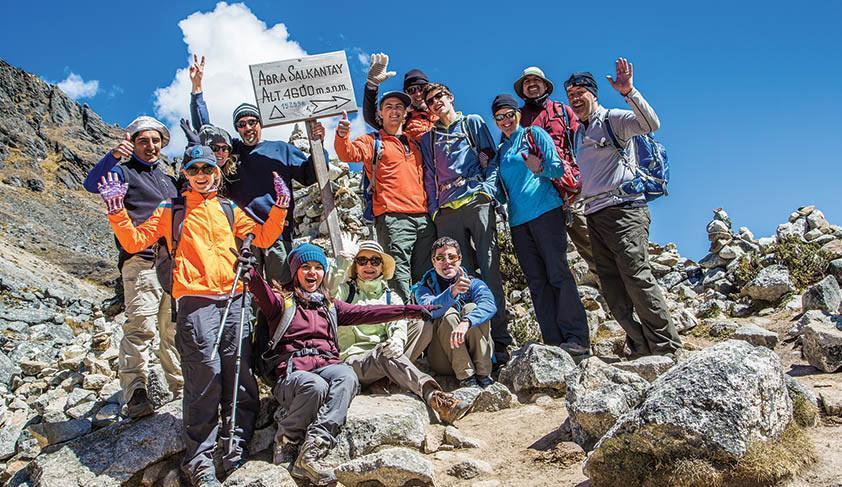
(822, 344)
(650, 367)
(394, 467)
(260, 473)
(770, 284)
(710, 408)
(597, 395)
(824, 295)
(757, 336)
(377, 421)
(538, 368)
(111, 456)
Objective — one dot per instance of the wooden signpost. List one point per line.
(307, 88)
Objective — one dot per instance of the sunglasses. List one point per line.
(449, 257)
(414, 89)
(435, 98)
(221, 148)
(250, 123)
(375, 260)
(502, 116)
(194, 170)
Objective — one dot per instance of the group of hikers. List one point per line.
(199, 252)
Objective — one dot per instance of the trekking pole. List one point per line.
(246, 244)
(233, 424)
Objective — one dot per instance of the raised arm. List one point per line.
(134, 239)
(268, 302)
(642, 119)
(108, 164)
(198, 109)
(377, 73)
(358, 150)
(353, 314)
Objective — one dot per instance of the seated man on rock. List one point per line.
(378, 350)
(460, 335)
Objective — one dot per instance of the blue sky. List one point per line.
(748, 92)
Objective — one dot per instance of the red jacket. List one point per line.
(548, 115)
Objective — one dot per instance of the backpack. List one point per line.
(164, 255)
(267, 358)
(367, 184)
(652, 173)
(568, 186)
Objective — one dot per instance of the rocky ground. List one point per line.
(755, 397)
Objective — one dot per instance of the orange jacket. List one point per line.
(418, 123)
(203, 265)
(399, 187)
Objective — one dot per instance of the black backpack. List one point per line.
(164, 255)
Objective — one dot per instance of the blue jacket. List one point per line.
(450, 160)
(529, 196)
(433, 289)
(251, 187)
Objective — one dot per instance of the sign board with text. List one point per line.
(303, 88)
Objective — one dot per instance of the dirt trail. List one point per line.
(519, 442)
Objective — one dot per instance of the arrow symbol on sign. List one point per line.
(276, 113)
(324, 105)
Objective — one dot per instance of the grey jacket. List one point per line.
(602, 169)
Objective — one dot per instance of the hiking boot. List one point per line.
(308, 465)
(286, 451)
(469, 382)
(484, 381)
(574, 348)
(207, 480)
(447, 407)
(139, 405)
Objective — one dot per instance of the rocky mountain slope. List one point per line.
(755, 314)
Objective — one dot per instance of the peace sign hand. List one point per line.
(624, 83)
(197, 72)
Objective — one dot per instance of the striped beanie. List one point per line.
(245, 110)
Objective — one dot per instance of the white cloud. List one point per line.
(231, 38)
(75, 87)
(364, 58)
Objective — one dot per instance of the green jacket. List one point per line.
(354, 340)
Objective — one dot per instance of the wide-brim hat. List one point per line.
(532, 71)
(372, 246)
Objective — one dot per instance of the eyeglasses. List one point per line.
(221, 148)
(449, 257)
(194, 170)
(435, 98)
(250, 122)
(502, 116)
(374, 260)
(414, 89)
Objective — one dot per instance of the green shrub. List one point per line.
(512, 274)
(806, 261)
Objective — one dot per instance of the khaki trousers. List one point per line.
(148, 309)
(473, 357)
(372, 366)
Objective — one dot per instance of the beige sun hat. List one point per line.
(532, 71)
(372, 246)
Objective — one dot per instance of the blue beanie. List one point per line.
(305, 253)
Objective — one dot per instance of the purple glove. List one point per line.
(419, 311)
(281, 191)
(112, 192)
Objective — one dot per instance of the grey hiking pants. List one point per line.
(209, 384)
(372, 366)
(474, 227)
(316, 402)
(409, 240)
(620, 243)
(541, 253)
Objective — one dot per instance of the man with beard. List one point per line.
(252, 187)
(561, 123)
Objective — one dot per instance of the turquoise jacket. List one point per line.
(528, 195)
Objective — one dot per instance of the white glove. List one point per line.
(377, 70)
(350, 245)
(392, 348)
